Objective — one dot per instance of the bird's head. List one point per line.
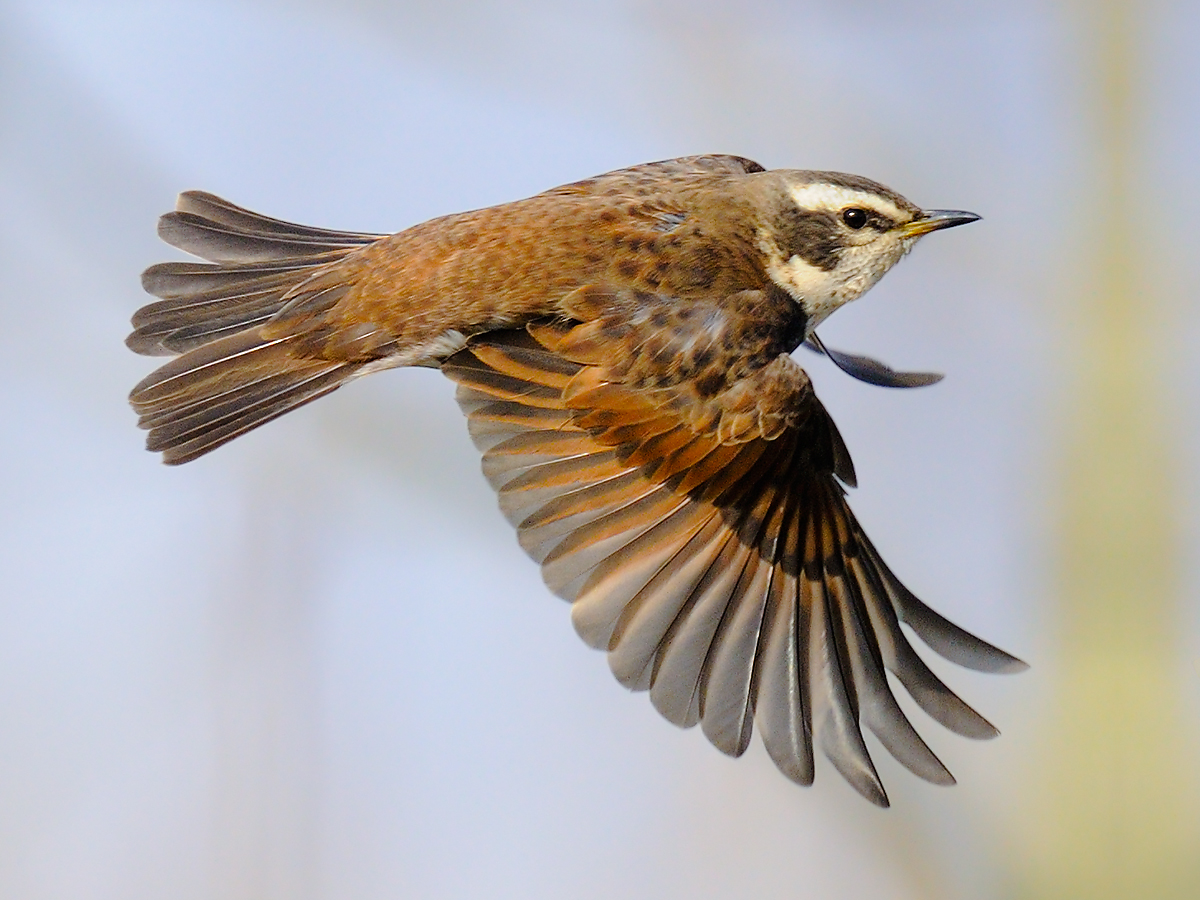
(828, 237)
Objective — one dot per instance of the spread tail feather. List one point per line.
(230, 378)
(261, 264)
(209, 396)
(216, 230)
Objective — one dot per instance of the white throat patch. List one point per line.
(814, 289)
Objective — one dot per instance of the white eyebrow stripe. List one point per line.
(822, 195)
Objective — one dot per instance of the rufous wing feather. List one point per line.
(704, 539)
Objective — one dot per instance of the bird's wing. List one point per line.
(653, 174)
(708, 164)
(689, 508)
(872, 371)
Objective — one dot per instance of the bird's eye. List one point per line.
(854, 217)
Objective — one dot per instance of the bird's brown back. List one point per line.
(506, 264)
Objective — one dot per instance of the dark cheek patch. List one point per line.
(813, 235)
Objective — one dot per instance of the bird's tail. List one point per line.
(229, 375)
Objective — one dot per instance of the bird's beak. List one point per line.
(936, 220)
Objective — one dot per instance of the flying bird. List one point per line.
(622, 348)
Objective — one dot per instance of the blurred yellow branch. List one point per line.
(1114, 809)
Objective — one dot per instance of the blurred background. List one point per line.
(316, 665)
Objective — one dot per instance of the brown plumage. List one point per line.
(622, 349)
